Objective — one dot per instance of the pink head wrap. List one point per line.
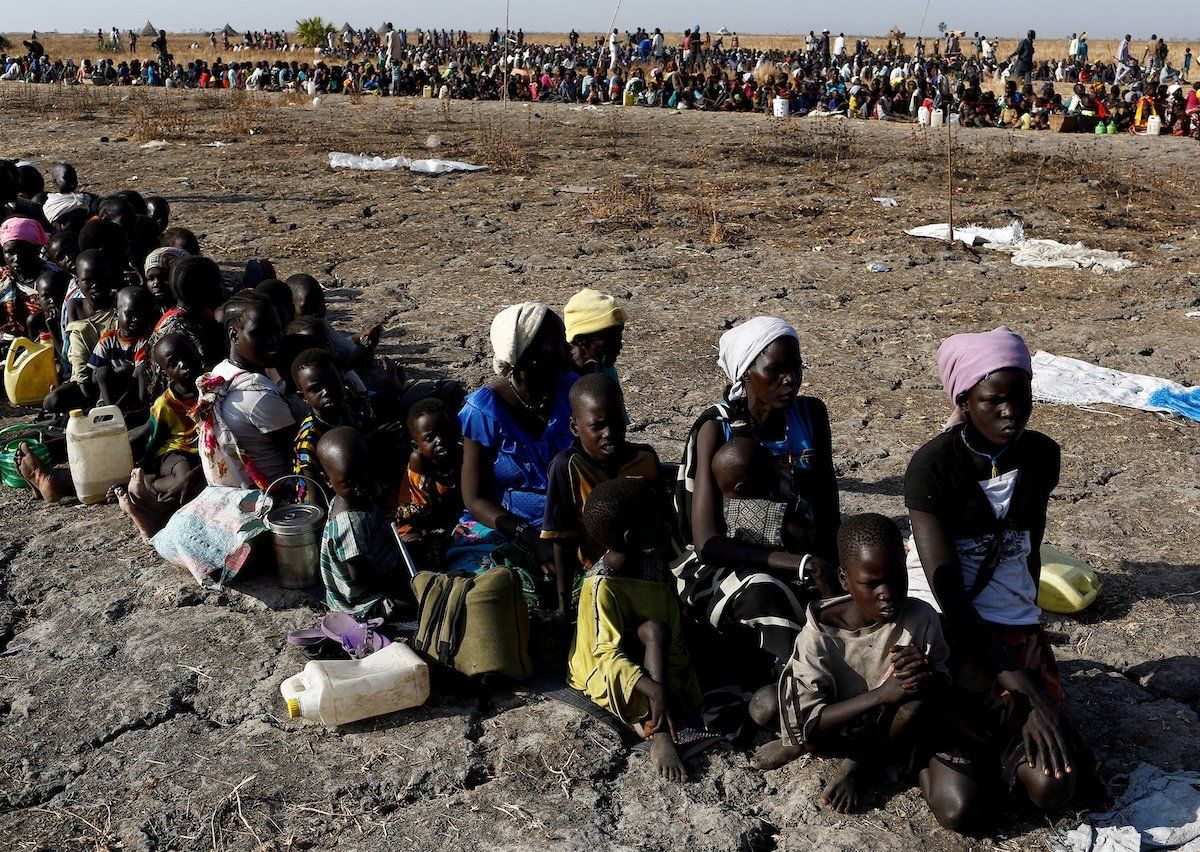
(25, 230)
(965, 359)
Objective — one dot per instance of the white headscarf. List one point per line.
(512, 330)
(58, 204)
(742, 344)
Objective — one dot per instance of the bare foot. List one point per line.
(774, 754)
(841, 793)
(666, 758)
(146, 522)
(139, 489)
(40, 478)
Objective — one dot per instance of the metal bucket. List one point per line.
(296, 536)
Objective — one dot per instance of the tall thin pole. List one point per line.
(504, 99)
(950, 172)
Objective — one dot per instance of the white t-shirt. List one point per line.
(251, 409)
(1007, 598)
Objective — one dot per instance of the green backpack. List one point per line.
(474, 623)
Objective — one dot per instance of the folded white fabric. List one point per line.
(361, 162)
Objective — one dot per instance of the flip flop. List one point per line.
(357, 638)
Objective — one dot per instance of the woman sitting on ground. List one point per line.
(732, 583)
(977, 497)
(512, 428)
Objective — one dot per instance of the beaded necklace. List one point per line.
(991, 458)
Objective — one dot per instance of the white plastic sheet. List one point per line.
(1158, 810)
(1068, 381)
(361, 162)
(1033, 254)
(972, 235)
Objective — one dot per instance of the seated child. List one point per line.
(600, 453)
(320, 384)
(169, 473)
(360, 560)
(159, 264)
(353, 352)
(181, 238)
(51, 287)
(866, 668)
(595, 331)
(429, 502)
(118, 361)
(88, 318)
(628, 652)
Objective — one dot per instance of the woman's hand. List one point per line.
(1045, 737)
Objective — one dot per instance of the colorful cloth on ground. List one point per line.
(172, 427)
(210, 536)
(349, 536)
(605, 659)
(572, 476)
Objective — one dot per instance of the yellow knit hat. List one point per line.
(589, 311)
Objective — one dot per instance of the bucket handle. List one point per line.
(319, 488)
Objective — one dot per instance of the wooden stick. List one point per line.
(950, 171)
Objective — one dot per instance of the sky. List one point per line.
(1174, 19)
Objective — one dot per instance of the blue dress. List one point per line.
(519, 474)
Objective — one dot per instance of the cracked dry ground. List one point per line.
(145, 714)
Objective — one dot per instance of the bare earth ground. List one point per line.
(146, 713)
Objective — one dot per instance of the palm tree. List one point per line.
(312, 31)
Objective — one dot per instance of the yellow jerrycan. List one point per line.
(1067, 584)
(30, 372)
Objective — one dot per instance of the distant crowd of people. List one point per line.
(830, 74)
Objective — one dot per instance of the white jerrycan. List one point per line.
(337, 692)
(98, 452)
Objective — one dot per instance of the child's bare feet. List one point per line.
(147, 524)
(139, 489)
(37, 475)
(841, 793)
(666, 757)
(774, 754)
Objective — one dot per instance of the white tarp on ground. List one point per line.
(1067, 381)
(1033, 254)
(972, 235)
(1158, 810)
(338, 160)
(1051, 254)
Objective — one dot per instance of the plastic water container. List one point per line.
(954, 119)
(936, 118)
(427, 91)
(98, 452)
(1067, 585)
(30, 372)
(782, 107)
(1153, 126)
(311, 86)
(628, 98)
(923, 116)
(337, 692)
